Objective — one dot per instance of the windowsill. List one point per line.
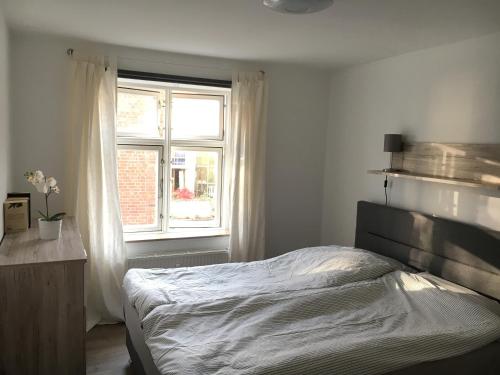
(157, 236)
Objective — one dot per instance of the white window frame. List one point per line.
(146, 227)
(166, 143)
(139, 91)
(220, 150)
(190, 94)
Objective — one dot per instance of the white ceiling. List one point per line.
(350, 32)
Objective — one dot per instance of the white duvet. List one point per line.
(364, 327)
(307, 268)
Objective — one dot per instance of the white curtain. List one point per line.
(247, 169)
(92, 188)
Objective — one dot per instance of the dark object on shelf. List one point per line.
(393, 143)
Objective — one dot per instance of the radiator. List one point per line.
(181, 259)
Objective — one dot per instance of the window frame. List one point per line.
(197, 143)
(218, 220)
(139, 91)
(160, 199)
(220, 136)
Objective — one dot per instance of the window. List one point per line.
(170, 153)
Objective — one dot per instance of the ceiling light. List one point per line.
(297, 6)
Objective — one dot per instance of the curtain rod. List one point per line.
(148, 76)
(70, 52)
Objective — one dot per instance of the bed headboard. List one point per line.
(464, 254)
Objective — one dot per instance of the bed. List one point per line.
(457, 258)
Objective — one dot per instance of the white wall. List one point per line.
(445, 94)
(298, 112)
(298, 108)
(4, 116)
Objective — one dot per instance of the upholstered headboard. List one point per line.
(464, 254)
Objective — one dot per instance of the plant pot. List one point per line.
(49, 230)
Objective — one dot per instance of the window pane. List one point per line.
(197, 116)
(138, 186)
(140, 113)
(195, 187)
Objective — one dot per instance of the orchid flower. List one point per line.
(46, 186)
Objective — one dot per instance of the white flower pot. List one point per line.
(49, 230)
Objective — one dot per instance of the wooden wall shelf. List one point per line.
(443, 180)
(461, 164)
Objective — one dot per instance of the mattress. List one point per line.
(367, 327)
(303, 269)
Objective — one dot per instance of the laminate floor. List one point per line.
(106, 351)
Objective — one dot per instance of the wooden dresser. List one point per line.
(42, 313)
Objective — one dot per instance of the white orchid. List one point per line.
(34, 176)
(39, 175)
(41, 186)
(47, 186)
(51, 181)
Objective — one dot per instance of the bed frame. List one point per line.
(464, 254)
